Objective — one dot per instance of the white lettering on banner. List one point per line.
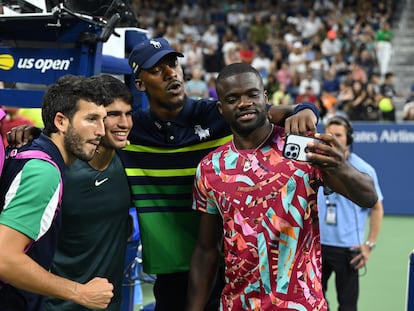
(44, 64)
(385, 136)
(365, 137)
(393, 136)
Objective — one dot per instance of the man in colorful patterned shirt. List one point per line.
(263, 207)
(168, 140)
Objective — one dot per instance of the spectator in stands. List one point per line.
(356, 107)
(367, 62)
(261, 62)
(213, 60)
(211, 37)
(293, 87)
(387, 88)
(271, 85)
(340, 66)
(388, 92)
(309, 81)
(307, 96)
(330, 104)
(331, 82)
(297, 58)
(284, 75)
(196, 87)
(281, 96)
(195, 56)
(410, 97)
(310, 26)
(246, 52)
(408, 111)
(375, 82)
(277, 56)
(331, 46)
(372, 111)
(259, 33)
(358, 73)
(345, 94)
(319, 66)
(230, 47)
(384, 37)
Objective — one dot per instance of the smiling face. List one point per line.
(242, 102)
(164, 85)
(118, 124)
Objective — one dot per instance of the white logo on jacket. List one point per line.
(202, 133)
(155, 44)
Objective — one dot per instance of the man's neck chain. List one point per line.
(251, 157)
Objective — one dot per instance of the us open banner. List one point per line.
(389, 148)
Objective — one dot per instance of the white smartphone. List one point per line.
(296, 147)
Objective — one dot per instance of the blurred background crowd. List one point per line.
(335, 54)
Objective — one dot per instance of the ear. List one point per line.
(140, 85)
(218, 104)
(61, 122)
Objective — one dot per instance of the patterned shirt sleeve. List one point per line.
(203, 198)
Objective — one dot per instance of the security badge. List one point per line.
(330, 213)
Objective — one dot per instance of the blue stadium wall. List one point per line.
(389, 148)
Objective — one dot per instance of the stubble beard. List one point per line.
(246, 130)
(73, 143)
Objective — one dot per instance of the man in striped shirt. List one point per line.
(167, 142)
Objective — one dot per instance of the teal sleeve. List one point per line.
(32, 199)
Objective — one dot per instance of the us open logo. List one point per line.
(44, 64)
(7, 62)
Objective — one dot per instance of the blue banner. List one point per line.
(389, 148)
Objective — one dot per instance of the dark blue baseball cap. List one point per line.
(149, 52)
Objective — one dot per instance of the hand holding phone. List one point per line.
(296, 147)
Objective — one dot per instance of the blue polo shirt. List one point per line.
(349, 229)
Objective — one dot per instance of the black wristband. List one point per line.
(310, 106)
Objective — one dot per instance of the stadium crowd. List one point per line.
(320, 51)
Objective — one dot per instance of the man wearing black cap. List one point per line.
(167, 142)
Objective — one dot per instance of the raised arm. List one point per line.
(339, 174)
(205, 262)
(297, 119)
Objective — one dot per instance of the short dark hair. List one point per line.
(237, 68)
(114, 88)
(64, 95)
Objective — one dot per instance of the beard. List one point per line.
(245, 130)
(73, 143)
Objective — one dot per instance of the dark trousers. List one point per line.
(336, 260)
(170, 292)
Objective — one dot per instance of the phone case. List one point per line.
(296, 147)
